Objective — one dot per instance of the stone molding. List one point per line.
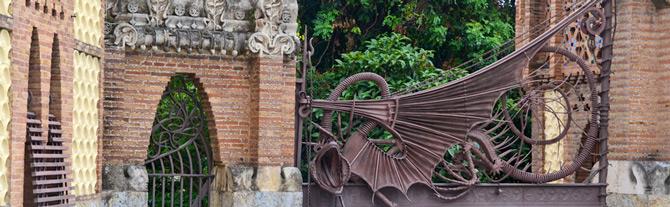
(264, 27)
(238, 178)
(242, 185)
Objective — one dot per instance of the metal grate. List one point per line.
(47, 163)
(179, 158)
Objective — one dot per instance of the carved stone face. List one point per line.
(239, 15)
(194, 11)
(179, 10)
(133, 7)
(286, 16)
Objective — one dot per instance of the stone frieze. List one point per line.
(229, 27)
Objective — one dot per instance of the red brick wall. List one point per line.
(25, 18)
(639, 114)
(248, 102)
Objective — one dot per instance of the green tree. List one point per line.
(455, 30)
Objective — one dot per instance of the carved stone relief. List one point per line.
(266, 27)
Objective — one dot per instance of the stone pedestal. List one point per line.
(124, 185)
(638, 183)
(265, 186)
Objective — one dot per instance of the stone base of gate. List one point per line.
(638, 183)
(88, 201)
(124, 185)
(250, 186)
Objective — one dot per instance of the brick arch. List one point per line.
(249, 104)
(206, 107)
(140, 97)
(211, 120)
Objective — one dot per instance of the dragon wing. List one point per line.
(429, 122)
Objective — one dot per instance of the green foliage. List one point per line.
(393, 57)
(456, 30)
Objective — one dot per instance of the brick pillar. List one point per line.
(273, 88)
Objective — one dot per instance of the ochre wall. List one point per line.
(5, 7)
(554, 124)
(88, 21)
(5, 113)
(85, 122)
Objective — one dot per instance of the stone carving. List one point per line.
(213, 26)
(638, 177)
(125, 178)
(214, 10)
(125, 34)
(275, 30)
(158, 10)
(650, 177)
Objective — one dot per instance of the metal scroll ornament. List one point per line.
(466, 113)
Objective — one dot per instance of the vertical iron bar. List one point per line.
(604, 107)
(162, 183)
(301, 87)
(171, 180)
(190, 179)
(153, 187)
(181, 179)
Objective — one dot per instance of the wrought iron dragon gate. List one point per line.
(487, 115)
(179, 160)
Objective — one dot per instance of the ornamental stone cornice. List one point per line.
(228, 27)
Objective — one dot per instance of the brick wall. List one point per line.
(639, 114)
(47, 21)
(248, 103)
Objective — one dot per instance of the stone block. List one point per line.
(92, 202)
(292, 179)
(658, 201)
(239, 199)
(262, 199)
(125, 178)
(125, 199)
(137, 178)
(268, 178)
(626, 200)
(638, 177)
(239, 178)
(113, 178)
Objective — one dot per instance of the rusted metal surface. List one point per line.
(472, 113)
(604, 79)
(512, 195)
(48, 171)
(179, 162)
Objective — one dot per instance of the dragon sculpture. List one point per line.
(425, 124)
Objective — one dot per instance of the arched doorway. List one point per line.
(179, 158)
